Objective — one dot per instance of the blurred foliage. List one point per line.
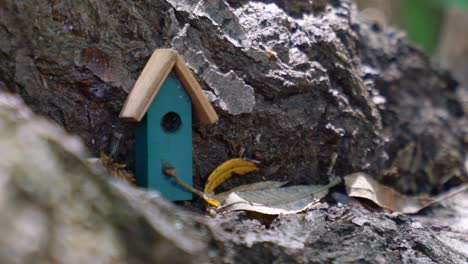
(422, 19)
(461, 3)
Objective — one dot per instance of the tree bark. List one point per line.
(294, 84)
(334, 85)
(56, 209)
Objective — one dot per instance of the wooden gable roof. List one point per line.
(161, 63)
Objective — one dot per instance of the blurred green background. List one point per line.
(440, 27)
(422, 19)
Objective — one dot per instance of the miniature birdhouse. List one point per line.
(162, 101)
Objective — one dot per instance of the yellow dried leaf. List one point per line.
(226, 170)
(212, 202)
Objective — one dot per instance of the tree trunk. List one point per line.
(294, 84)
(56, 209)
(335, 85)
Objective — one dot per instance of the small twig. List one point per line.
(188, 187)
(332, 163)
(115, 143)
(288, 157)
(170, 171)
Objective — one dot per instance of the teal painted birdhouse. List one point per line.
(163, 101)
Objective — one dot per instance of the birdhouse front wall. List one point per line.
(164, 138)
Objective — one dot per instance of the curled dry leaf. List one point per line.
(364, 186)
(225, 171)
(274, 201)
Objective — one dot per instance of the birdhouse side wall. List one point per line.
(167, 136)
(141, 157)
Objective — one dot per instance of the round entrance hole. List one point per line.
(171, 122)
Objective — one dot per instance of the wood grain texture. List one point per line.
(204, 111)
(148, 84)
(161, 63)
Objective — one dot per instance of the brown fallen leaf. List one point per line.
(364, 186)
(115, 169)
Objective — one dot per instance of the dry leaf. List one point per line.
(271, 53)
(249, 187)
(274, 201)
(364, 186)
(226, 170)
(115, 169)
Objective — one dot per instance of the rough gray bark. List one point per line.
(56, 209)
(335, 85)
